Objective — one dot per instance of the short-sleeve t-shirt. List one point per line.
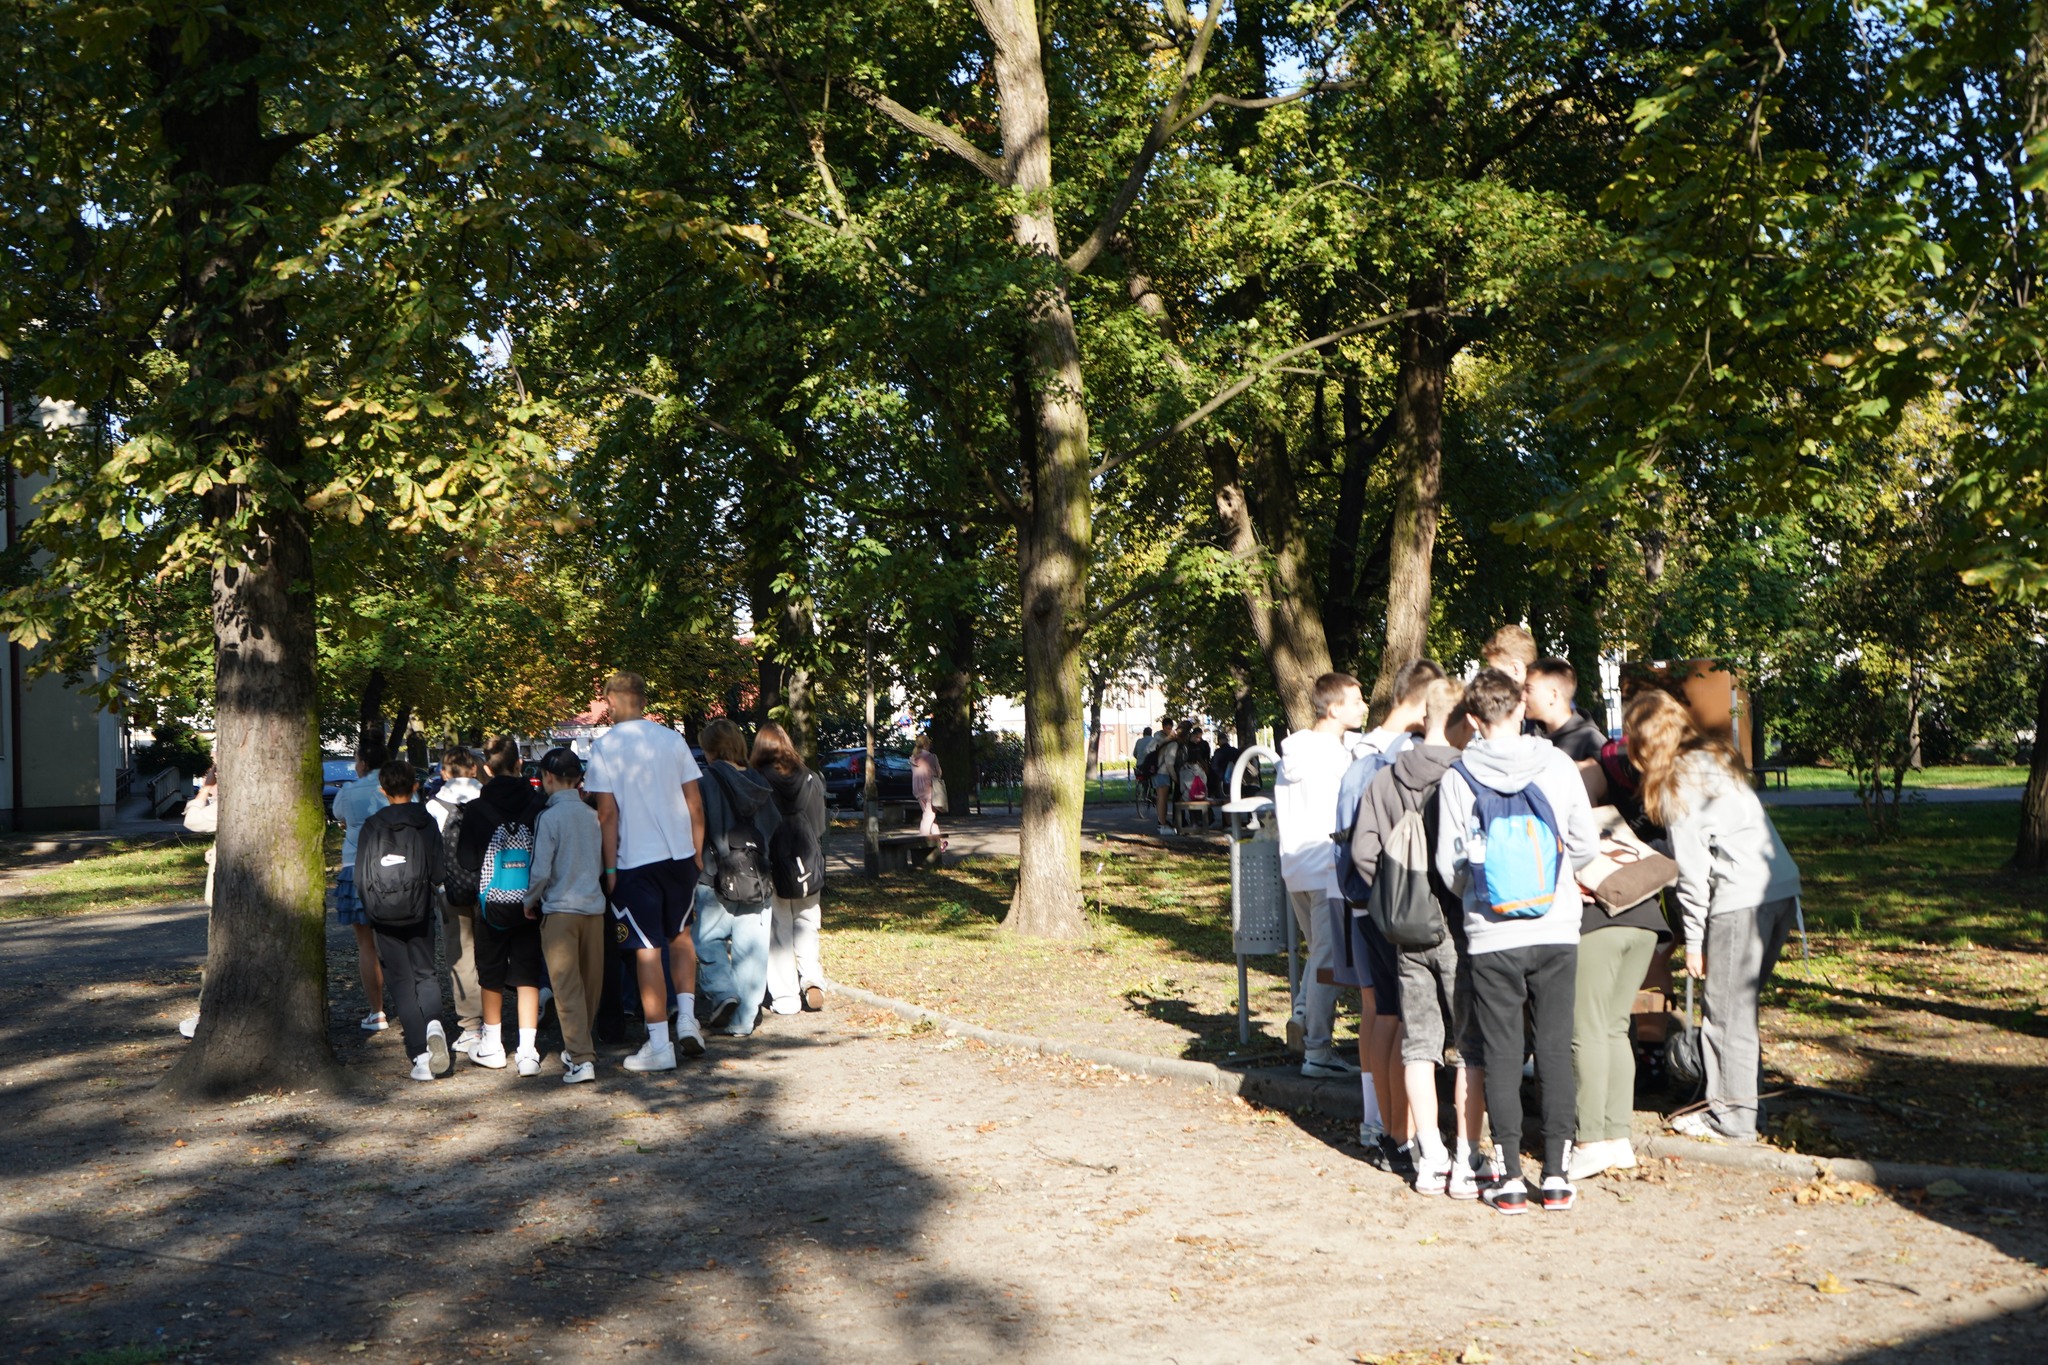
(356, 802)
(644, 766)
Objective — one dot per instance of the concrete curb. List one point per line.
(1286, 1089)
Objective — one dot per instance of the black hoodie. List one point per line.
(743, 795)
(502, 799)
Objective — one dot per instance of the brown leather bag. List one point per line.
(1626, 872)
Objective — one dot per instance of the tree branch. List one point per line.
(1257, 373)
(1162, 132)
(1270, 102)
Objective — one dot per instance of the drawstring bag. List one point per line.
(1682, 1057)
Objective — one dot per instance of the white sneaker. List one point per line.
(1624, 1155)
(189, 1025)
(1434, 1177)
(1328, 1064)
(529, 1062)
(578, 1072)
(469, 1039)
(423, 1067)
(375, 1022)
(1463, 1182)
(689, 1036)
(488, 1053)
(1168, 831)
(1589, 1159)
(656, 1054)
(437, 1048)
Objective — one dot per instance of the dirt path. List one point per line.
(842, 1188)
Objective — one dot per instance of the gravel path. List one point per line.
(843, 1187)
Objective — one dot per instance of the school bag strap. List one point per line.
(1522, 881)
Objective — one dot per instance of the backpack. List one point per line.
(396, 859)
(1404, 906)
(1350, 795)
(742, 877)
(506, 874)
(1524, 857)
(796, 865)
(1198, 786)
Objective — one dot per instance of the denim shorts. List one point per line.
(343, 900)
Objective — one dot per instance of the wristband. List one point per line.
(611, 872)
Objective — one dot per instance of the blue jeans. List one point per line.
(732, 955)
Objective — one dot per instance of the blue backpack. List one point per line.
(1357, 887)
(1524, 851)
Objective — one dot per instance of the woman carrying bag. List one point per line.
(1738, 895)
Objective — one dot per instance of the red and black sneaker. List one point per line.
(1508, 1196)
(1559, 1194)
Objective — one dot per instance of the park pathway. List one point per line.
(844, 1188)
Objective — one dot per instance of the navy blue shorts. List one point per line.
(654, 902)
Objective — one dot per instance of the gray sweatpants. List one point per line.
(1316, 1006)
(1742, 948)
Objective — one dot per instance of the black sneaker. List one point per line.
(722, 1012)
(1559, 1194)
(1400, 1157)
(1509, 1196)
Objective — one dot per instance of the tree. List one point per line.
(256, 240)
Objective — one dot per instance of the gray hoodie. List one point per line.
(1509, 765)
(566, 853)
(1728, 851)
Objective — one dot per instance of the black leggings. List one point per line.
(407, 956)
(1546, 979)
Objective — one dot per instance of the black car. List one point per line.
(846, 777)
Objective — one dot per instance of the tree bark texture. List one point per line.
(1057, 535)
(263, 1007)
(1418, 495)
(1278, 596)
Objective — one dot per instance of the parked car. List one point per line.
(845, 773)
(335, 773)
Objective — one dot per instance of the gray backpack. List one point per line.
(1403, 906)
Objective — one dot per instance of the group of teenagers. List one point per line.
(644, 883)
(1463, 825)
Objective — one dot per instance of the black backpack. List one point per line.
(796, 864)
(395, 871)
(742, 875)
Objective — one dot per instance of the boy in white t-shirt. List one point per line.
(651, 822)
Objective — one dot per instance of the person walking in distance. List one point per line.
(796, 976)
(928, 785)
(508, 946)
(651, 818)
(353, 804)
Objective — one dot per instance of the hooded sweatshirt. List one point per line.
(749, 800)
(799, 800)
(1579, 737)
(1509, 765)
(1312, 766)
(446, 807)
(1410, 784)
(1729, 854)
(567, 848)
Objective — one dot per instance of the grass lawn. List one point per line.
(1974, 776)
(118, 876)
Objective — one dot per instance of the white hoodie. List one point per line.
(1509, 765)
(1729, 854)
(447, 804)
(1312, 767)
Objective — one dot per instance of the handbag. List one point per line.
(1626, 871)
(1682, 1057)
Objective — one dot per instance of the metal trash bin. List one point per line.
(1260, 918)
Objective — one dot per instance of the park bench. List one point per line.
(907, 853)
(1766, 771)
(1184, 813)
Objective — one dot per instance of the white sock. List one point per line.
(1464, 1153)
(491, 1032)
(1432, 1145)
(686, 1008)
(527, 1037)
(1372, 1097)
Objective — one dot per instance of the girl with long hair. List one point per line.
(1738, 894)
(796, 975)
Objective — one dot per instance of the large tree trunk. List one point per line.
(370, 712)
(1418, 497)
(1057, 535)
(1277, 596)
(263, 1009)
(2031, 856)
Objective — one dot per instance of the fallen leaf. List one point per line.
(986, 1127)
(1946, 1189)
(1473, 1355)
(1828, 1284)
(85, 1295)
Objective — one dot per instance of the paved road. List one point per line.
(841, 1187)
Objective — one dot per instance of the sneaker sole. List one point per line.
(1560, 1205)
(1509, 1209)
(670, 1065)
(691, 1045)
(722, 1013)
(1455, 1193)
(498, 1065)
(571, 1078)
(438, 1060)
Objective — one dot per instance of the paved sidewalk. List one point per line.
(844, 1186)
